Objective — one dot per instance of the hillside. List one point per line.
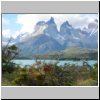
(74, 53)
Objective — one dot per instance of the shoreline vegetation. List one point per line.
(45, 74)
(52, 59)
(50, 75)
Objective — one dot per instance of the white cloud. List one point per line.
(28, 21)
(5, 21)
(6, 33)
(16, 33)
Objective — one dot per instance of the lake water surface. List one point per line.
(60, 62)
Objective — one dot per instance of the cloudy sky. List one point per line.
(15, 24)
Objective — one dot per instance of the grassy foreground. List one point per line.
(50, 75)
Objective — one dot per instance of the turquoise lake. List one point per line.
(60, 62)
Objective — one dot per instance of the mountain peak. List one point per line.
(51, 20)
(67, 23)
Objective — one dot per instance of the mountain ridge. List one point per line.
(47, 38)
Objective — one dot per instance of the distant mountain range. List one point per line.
(46, 38)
